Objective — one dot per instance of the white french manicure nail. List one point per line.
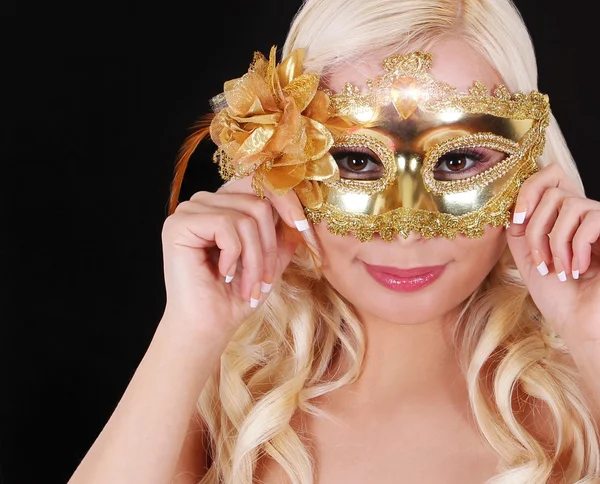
(253, 302)
(228, 279)
(542, 269)
(575, 274)
(301, 225)
(562, 276)
(519, 217)
(264, 287)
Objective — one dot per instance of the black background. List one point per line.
(90, 137)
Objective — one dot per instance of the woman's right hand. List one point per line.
(222, 251)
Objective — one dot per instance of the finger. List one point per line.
(572, 212)
(287, 243)
(542, 221)
(586, 235)
(190, 229)
(288, 206)
(261, 210)
(208, 223)
(522, 255)
(251, 256)
(532, 190)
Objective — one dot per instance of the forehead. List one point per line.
(454, 62)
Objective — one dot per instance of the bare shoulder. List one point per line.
(193, 460)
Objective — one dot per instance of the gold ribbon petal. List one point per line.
(280, 179)
(323, 169)
(272, 77)
(254, 144)
(303, 89)
(310, 194)
(287, 128)
(219, 128)
(259, 119)
(320, 137)
(242, 98)
(318, 108)
(291, 67)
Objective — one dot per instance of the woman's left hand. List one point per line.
(556, 248)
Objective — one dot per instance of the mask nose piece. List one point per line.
(409, 190)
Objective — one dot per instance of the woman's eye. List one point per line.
(465, 162)
(358, 165)
(455, 162)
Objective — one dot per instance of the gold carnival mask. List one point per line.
(409, 153)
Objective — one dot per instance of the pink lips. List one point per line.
(404, 280)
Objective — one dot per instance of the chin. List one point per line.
(404, 314)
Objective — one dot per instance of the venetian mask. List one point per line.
(422, 156)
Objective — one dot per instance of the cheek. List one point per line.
(477, 257)
(489, 247)
(334, 248)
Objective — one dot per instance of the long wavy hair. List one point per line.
(278, 361)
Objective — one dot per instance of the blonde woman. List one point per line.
(398, 282)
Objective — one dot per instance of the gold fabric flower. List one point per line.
(273, 128)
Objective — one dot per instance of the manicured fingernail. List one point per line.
(519, 217)
(541, 265)
(231, 273)
(255, 295)
(575, 268)
(265, 287)
(560, 272)
(301, 225)
(542, 268)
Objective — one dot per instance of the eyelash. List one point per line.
(479, 155)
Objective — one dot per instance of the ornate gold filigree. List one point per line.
(407, 85)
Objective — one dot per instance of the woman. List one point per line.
(353, 305)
